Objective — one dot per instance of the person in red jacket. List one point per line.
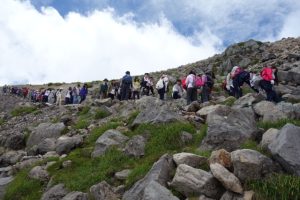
(267, 82)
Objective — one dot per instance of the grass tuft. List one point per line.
(100, 114)
(81, 124)
(20, 111)
(278, 186)
(278, 124)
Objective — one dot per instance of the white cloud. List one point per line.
(45, 47)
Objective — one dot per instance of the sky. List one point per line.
(44, 41)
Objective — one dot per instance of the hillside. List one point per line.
(148, 149)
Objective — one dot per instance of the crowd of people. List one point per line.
(194, 87)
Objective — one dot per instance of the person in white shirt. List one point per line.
(177, 90)
(191, 89)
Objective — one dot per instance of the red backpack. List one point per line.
(183, 83)
(267, 74)
(199, 82)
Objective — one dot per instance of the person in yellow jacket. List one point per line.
(136, 88)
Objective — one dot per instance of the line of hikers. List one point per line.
(75, 95)
(264, 81)
(196, 87)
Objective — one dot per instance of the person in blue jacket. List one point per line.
(126, 86)
(83, 93)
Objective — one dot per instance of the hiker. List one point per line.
(239, 77)
(145, 84)
(191, 89)
(75, 92)
(83, 93)
(51, 98)
(104, 89)
(136, 88)
(126, 85)
(209, 84)
(202, 87)
(228, 85)
(177, 90)
(161, 87)
(58, 97)
(68, 96)
(151, 86)
(267, 82)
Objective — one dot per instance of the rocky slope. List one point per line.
(148, 149)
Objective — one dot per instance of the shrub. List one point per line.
(2, 121)
(84, 110)
(278, 186)
(100, 114)
(81, 124)
(19, 111)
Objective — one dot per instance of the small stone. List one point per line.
(67, 163)
(222, 157)
(122, 175)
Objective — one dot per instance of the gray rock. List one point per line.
(76, 196)
(228, 180)
(189, 159)
(24, 163)
(154, 111)
(46, 145)
(192, 182)
(103, 191)
(247, 100)
(15, 141)
(228, 128)
(109, 139)
(251, 165)
(155, 191)
(263, 107)
(39, 173)
(66, 144)
(3, 184)
(268, 137)
(6, 171)
(136, 146)
(56, 192)
(203, 112)
(122, 175)
(186, 137)
(286, 150)
(160, 172)
(193, 107)
(11, 157)
(43, 131)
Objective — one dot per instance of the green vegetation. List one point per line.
(81, 124)
(55, 84)
(19, 111)
(2, 121)
(132, 117)
(163, 139)
(278, 124)
(84, 110)
(24, 188)
(251, 144)
(100, 114)
(278, 186)
(229, 101)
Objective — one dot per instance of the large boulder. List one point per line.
(15, 141)
(160, 172)
(189, 159)
(251, 165)
(247, 100)
(155, 191)
(11, 157)
(136, 146)
(228, 180)
(65, 144)
(46, 145)
(43, 131)
(285, 148)
(103, 191)
(76, 196)
(154, 111)
(192, 182)
(228, 128)
(57, 192)
(268, 137)
(109, 139)
(203, 112)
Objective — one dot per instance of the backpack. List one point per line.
(183, 83)
(160, 84)
(209, 81)
(267, 74)
(236, 72)
(199, 81)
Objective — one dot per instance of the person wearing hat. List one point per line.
(126, 85)
(104, 89)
